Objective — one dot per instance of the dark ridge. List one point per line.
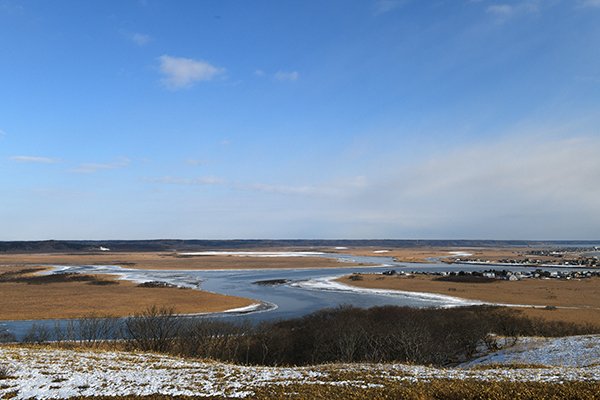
(56, 246)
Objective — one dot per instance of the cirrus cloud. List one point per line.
(287, 76)
(35, 159)
(590, 3)
(87, 168)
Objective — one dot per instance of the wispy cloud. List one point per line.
(500, 9)
(520, 187)
(330, 189)
(287, 76)
(199, 181)
(140, 39)
(504, 11)
(11, 7)
(137, 38)
(2, 133)
(385, 6)
(195, 162)
(87, 168)
(590, 3)
(184, 72)
(35, 159)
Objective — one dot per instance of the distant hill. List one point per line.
(56, 246)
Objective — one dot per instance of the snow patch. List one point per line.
(329, 283)
(570, 351)
(460, 253)
(256, 253)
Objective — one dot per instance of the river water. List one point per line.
(305, 290)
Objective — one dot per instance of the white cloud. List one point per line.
(184, 72)
(35, 159)
(2, 133)
(259, 72)
(539, 187)
(140, 39)
(200, 181)
(590, 3)
(287, 76)
(195, 162)
(505, 10)
(87, 168)
(500, 9)
(385, 6)
(330, 189)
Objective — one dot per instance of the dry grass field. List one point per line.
(167, 261)
(26, 296)
(581, 298)
(103, 295)
(425, 253)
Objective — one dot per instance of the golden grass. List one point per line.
(583, 296)
(72, 299)
(433, 390)
(168, 261)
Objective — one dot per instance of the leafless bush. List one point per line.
(155, 329)
(7, 337)
(38, 333)
(92, 329)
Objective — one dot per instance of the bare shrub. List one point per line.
(38, 333)
(343, 334)
(92, 329)
(155, 329)
(7, 337)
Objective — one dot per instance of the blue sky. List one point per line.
(300, 119)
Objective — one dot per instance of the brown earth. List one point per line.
(25, 296)
(168, 261)
(582, 297)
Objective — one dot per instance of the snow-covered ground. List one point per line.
(54, 373)
(266, 254)
(570, 351)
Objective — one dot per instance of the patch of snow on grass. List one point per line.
(570, 351)
(57, 373)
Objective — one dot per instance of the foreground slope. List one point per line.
(43, 372)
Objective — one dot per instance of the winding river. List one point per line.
(304, 290)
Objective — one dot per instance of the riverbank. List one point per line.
(575, 301)
(26, 296)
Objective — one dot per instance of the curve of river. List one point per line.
(305, 290)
